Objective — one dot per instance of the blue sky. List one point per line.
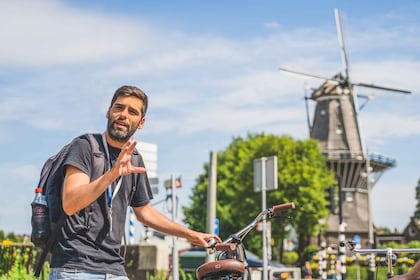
(210, 70)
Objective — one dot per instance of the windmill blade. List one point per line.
(382, 88)
(300, 74)
(308, 118)
(341, 43)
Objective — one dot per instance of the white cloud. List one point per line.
(48, 33)
(384, 125)
(201, 71)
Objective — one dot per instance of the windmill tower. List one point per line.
(336, 125)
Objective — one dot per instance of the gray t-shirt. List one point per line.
(86, 242)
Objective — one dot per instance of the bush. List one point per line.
(309, 252)
(16, 262)
(290, 258)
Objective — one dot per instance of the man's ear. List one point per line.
(107, 114)
(141, 123)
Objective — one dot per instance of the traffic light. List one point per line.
(330, 197)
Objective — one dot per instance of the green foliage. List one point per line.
(290, 258)
(380, 271)
(302, 178)
(186, 276)
(163, 275)
(391, 244)
(353, 270)
(11, 236)
(160, 275)
(16, 263)
(309, 252)
(383, 230)
(412, 244)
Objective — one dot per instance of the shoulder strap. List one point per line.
(99, 158)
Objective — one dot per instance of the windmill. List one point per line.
(336, 125)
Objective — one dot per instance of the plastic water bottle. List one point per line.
(40, 219)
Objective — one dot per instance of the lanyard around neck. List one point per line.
(110, 193)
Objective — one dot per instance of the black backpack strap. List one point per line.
(97, 142)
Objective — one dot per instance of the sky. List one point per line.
(210, 69)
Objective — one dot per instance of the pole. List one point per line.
(322, 261)
(371, 241)
(342, 250)
(211, 199)
(175, 275)
(264, 206)
(131, 227)
(341, 232)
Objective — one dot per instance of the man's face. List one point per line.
(124, 118)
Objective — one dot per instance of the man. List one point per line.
(90, 240)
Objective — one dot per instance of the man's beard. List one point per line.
(119, 135)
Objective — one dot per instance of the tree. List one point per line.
(302, 178)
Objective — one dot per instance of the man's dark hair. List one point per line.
(131, 91)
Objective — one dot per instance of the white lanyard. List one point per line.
(110, 194)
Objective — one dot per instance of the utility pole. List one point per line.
(371, 238)
(173, 184)
(211, 199)
(264, 206)
(265, 178)
(174, 247)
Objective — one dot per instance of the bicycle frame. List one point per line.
(231, 262)
(389, 252)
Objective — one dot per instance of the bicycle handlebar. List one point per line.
(240, 235)
(283, 207)
(389, 252)
(351, 245)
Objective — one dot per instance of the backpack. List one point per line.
(51, 181)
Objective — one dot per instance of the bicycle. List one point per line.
(231, 261)
(390, 254)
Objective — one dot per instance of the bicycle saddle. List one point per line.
(212, 270)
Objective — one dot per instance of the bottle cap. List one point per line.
(38, 190)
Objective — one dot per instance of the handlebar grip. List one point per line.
(223, 247)
(283, 207)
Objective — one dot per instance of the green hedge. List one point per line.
(17, 260)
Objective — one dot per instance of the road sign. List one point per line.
(265, 168)
(356, 239)
(216, 226)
